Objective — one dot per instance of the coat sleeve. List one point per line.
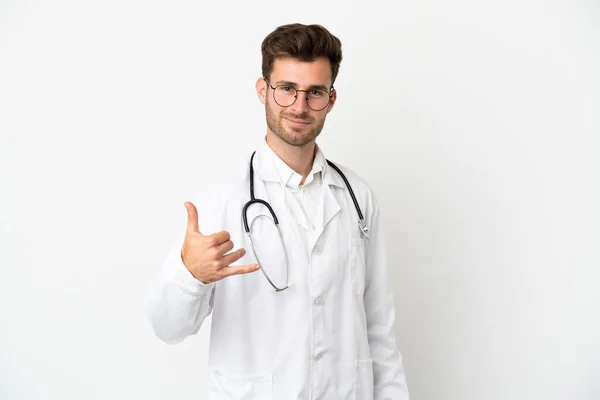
(388, 371)
(176, 302)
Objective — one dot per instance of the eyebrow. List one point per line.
(294, 84)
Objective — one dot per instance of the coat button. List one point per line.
(319, 301)
(318, 249)
(319, 356)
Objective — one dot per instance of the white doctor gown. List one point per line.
(329, 336)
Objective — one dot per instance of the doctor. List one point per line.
(302, 309)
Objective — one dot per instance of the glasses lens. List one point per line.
(317, 99)
(285, 95)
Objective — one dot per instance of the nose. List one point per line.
(301, 103)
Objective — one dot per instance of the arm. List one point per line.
(388, 371)
(182, 296)
(176, 302)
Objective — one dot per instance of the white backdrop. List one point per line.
(476, 123)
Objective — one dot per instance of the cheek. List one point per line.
(273, 109)
(273, 113)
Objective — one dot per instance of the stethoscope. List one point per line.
(361, 221)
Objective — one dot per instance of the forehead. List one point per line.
(304, 73)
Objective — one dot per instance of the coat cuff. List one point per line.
(186, 281)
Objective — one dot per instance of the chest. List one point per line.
(327, 256)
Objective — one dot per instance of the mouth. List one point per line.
(297, 122)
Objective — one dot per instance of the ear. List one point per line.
(332, 100)
(261, 89)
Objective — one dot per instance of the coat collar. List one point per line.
(266, 169)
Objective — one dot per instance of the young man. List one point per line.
(317, 320)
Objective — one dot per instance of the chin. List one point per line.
(300, 140)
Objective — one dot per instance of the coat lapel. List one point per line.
(329, 206)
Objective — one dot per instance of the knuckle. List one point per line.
(221, 274)
(213, 253)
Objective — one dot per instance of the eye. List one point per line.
(286, 88)
(316, 93)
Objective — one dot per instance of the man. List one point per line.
(317, 321)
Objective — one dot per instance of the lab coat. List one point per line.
(329, 336)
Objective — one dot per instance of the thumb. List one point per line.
(192, 219)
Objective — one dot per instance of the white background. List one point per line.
(476, 123)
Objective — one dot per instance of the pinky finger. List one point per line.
(245, 269)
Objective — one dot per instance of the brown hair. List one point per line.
(302, 42)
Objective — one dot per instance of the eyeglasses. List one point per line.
(285, 95)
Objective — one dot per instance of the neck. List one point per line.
(298, 158)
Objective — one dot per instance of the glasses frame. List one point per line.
(330, 95)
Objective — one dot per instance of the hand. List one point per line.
(204, 256)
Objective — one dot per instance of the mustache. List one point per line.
(302, 117)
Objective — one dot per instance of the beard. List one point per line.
(293, 136)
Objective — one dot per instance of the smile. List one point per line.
(298, 122)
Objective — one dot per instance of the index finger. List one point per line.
(221, 237)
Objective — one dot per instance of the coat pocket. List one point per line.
(357, 265)
(239, 387)
(363, 382)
